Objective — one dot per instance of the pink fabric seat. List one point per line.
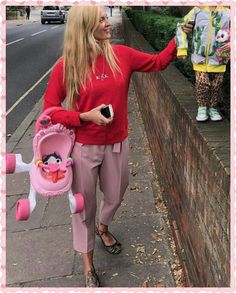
(54, 139)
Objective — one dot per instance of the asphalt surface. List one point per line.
(40, 252)
(32, 49)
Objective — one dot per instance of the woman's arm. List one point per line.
(95, 116)
(144, 62)
(55, 94)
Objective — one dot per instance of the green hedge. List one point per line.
(158, 30)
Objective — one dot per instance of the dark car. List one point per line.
(53, 13)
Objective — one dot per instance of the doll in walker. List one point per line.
(51, 168)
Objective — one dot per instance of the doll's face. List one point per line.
(52, 159)
(222, 36)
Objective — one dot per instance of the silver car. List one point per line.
(53, 13)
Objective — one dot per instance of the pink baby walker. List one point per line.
(51, 168)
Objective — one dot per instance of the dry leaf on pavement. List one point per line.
(145, 284)
(141, 249)
(160, 284)
(155, 250)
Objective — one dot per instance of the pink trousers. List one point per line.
(110, 164)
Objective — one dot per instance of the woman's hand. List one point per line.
(187, 28)
(225, 48)
(95, 116)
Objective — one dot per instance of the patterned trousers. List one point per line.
(208, 88)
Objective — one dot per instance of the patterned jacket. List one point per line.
(207, 23)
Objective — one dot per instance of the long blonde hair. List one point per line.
(81, 50)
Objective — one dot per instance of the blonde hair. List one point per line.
(81, 50)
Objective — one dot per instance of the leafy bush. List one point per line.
(158, 30)
(15, 8)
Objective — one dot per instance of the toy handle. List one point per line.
(41, 122)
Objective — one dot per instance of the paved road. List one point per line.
(32, 49)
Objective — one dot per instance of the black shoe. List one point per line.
(114, 248)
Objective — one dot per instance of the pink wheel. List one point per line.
(10, 163)
(79, 202)
(22, 209)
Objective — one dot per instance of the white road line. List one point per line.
(38, 33)
(14, 41)
(26, 93)
(52, 28)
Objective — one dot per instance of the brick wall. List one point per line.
(193, 161)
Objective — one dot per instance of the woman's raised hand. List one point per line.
(187, 28)
(95, 116)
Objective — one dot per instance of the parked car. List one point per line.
(53, 13)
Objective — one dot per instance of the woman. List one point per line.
(90, 75)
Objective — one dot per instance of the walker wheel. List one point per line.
(79, 202)
(22, 209)
(10, 163)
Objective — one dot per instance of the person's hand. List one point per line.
(187, 28)
(225, 48)
(95, 116)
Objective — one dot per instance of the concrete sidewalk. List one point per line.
(39, 251)
(34, 17)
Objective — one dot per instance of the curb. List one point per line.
(20, 131)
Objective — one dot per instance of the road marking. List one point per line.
(26, 93)
(14, 41)
(38, 33)
(52, 28)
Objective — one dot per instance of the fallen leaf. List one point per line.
(145, 284)
(173, 266)
(160, 284)
(134, 173)
(133, 275)
(136, 165)
(156, 237)
(134, 188)
(139, 261)
(141, 249)
(155, 250)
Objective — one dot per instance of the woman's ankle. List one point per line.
(102, 227)
(88, 262)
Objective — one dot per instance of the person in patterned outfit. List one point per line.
(211, 23)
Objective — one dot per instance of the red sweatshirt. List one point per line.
(111, 90)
